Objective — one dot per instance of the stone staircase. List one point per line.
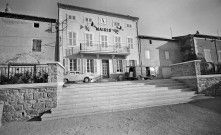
(92, 98)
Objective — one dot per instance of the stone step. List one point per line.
(124, 107)
(78, 95)
(121, 98)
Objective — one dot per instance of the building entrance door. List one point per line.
(105, 68)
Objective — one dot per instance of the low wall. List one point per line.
(26, 101)
(189, 73)
(189, 68)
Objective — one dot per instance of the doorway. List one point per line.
(105, 68)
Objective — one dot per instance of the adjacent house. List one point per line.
(94, 41)
(202, 47)
(27, 39)
(159, 53)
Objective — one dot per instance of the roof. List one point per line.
(88, 10)
(26, 17)
(200, 36)
(156, 38)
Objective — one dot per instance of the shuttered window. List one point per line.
(130, 43)
(103, 39)
(36, 45)
(117, 41)
(72, 38)
(147, 54)
(167, 55)
(90, 66)
(89, 39)
(73, 64)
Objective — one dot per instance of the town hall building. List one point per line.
(99, 42)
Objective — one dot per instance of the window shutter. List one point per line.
(135, 62)
(95, 66)
(114, 65)
(79, 65)
(84, 65)
(124, 65)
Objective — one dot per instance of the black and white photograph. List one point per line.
(110, 67)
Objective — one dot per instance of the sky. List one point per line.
(159, 18)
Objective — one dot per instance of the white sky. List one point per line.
(156, 16)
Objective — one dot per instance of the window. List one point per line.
(90, 65)
(117, 41)
(88, 20)
(102, 20)
(147, 54)
(119, 66)
(36, 25)
(128, 25)
(89, 39)
(150, 41)
(72, 38)
(103, 39)
(219, 55)
(36, 45)
(167, 55)
(207, 55)
(73, 64)
(116, 24)
(72, 17)
(130, 43)
(131, 62)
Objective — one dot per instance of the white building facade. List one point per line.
(99, 42)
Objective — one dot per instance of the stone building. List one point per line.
(206, 48)
(94, 41)
(27, 39)
(159, 53)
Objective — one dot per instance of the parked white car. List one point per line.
(75, 76)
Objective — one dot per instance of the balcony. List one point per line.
(104, 49)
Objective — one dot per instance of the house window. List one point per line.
(73, 64)
(88, 20)
(119, 66)
(147, 54)
(90, 65)
(116, 24)
(128, 25)
(103, 40)
(219, 55)
(102, 20)
(131, 62)
(117, 41)
(72, 38)
(89, 39)
(36, 45)
(36, 25)
(150, 41)
(72, 17)
(167, 55)
(207, 55)
(130, 43)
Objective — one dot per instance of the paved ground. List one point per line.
(199, 118)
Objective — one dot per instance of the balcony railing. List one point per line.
(104, 48)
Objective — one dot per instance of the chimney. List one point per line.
(8, 8)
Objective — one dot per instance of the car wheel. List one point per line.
(65, 80)
(86, 79)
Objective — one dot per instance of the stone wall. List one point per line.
(56, 72)
(189, 68)
(209, 84)
(191, 82)
(23, 102)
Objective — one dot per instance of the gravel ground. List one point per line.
(198, 118)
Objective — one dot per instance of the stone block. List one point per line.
(32, 112)
(8, 108)
(42, 90)
(27, 106)
(18, 108)
(38, 95)
(6, 117)
(21, 91)
(29, 90)
(28, 96)
(39, 105)
(49, 104)
(4, 98)
(45, 95)
(52, 94)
